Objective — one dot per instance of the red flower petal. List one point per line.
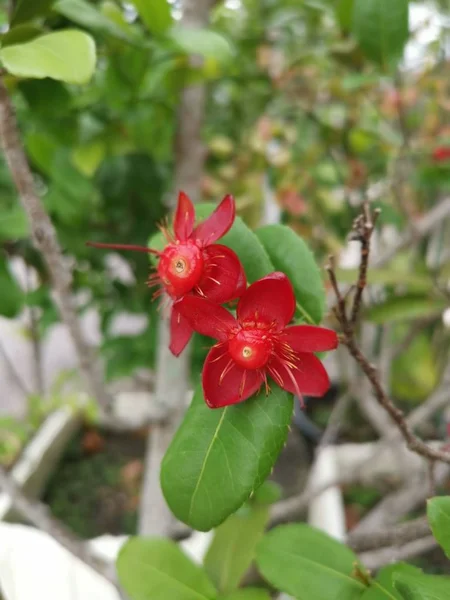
(226, 383)
(222, 274)
(270, 299)
(183, 223)
(309, 338)
(206, 317)
(218, 223)
(180, 332)
(309, 376)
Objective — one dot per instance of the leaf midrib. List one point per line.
(210, 447)
(338, 574)
(179, 583)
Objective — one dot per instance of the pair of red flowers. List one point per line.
(200, 275)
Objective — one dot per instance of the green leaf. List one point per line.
(417, 586)
(13, 224)
(25, 10)
(67, 55)
(405, 308)
(20, 34)
(247, 594)
(381, 28)
(269, 493)
(84, 14)
(157, 568)
(11, 298)
(344, 14)
(205, 42)
(382, 587)
(438, 512)
(307, 563)
(232, 549)
(240, 239)
(155, 14)
(219, 457)
(289, 254)
(415, 281)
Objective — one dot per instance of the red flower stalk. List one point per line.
(441, 154)
(257, 344)
(191, 263)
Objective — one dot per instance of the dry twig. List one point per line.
(45, 239)
(362, 230)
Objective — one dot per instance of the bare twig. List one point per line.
(172, 373)
(335, 421)
(35, 339)
(362, 230)
(14, 372)
(37, 514)
(392, 536)
(45, 240)
(378, 558)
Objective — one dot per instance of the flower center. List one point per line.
(250, 348)
(180, 267)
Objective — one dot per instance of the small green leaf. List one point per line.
(67, 55)
(155, 14)
(232, 549)
(344, 14)
(381, 28)
(84, 14)
(307, 563)
(219, 457)
(415, 281)
(11, 297)
(382, 587)
(26, 10)
(157, 568)
(405, 308)
(205, 42)
(289, 254)
(417, 586)
(20, 34)
(438, 512)
(269, 493)
(247, 594)
(13, 224)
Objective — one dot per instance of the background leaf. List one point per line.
(156, 15)
(219, 456)
(25, 10)
(85, 14)
(382, 587)
(289, 254)
(232, 549)
(307, 563)
(205, 42)
(381, 28)
(405, 308)
(438, 513)
(11, 297)
(417, 586)
(157, 568)
(67, 55)
(247, 594)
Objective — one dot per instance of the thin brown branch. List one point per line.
(391, 536)
(376, 559)
(45, 239)
(362, 230)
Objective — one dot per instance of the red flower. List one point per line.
(257, 343)
(441, 154)
(191, 263)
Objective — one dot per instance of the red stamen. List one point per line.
(124, 247)
(227, 369)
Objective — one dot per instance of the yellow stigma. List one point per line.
(246, 352)
(180, 265)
